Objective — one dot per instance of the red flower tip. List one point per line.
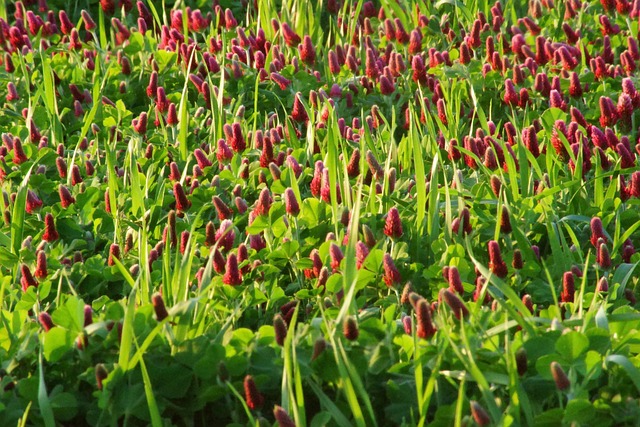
(50, 233)
(558, 135)
(559, 376)
(528, 302)
(630, 296)
(184, 240)
(202, 159)
(323, 276)
(89, 23)
(406, 293)
(280, 328)
(12, 92)
(350, 328)
(496, 264)
(75, 175)
(608, 112)
(280, 80)
(226, 235)
(463, 222)
(318, 347)
(45, 321)
(479, 414)
(61, 165)
(158, 306)
(234, 137)
(317, 264)
(107, 201)
(294, 165)
(455, 303)
(88, 315)
(505, 222)
(307, 51)
(477, 293)
(316, 181)
(336, 256)
(556, 101)
(393, 224)
(152, 87)
(334, 62)
(490, 160)
(627, 251)
(627, 159)
(170, 230)
(298, 112)
(172, 115)
(174, 172)
(218, 262)
(521, 361)
(603, 285)
(27, 279)
(108, 6)
(597, 231)
(291, 202)
(101, 375)
(536, 251)
(266, 157)
(256, 242)
(114, 253)
(415, 42)
(374, 166)
(282, 418)
(182, 203)
(162, 103)
(253, 397)
(517, 263)
(568, 287)
(290, 37)
(19, 155)
(401, 34)
(391, 274)
(455, 282)
(425, 328)
(362, 251)
(65, 23)
(325, 189)
(222, 209)
(510, 95)
(232, 275)
(530, 139)
(603, 258)
(223, 153)
(41, 265)
(140, 124)
(263, 205)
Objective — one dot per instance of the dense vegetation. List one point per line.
(319, 213)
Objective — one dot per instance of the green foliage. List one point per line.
(142, 318)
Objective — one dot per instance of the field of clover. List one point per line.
(319, 213)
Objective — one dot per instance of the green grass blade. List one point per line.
(630, 368)
(43, 398)
(327, 402)
(156, 419)
(18, 215)
(126, 341)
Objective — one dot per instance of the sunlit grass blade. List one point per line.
(154, 412)
(126, 342)
(19, 212)
(43, 399)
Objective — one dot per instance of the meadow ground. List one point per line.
(319, 213)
